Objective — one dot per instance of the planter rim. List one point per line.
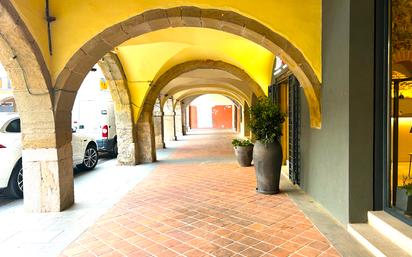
(238, 146)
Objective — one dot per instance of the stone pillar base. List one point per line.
(245, 130)
(169, 128)
(146, 142)
(158, 130)
(179, 126)
(128, 155)
(48, 179)
(127, 148)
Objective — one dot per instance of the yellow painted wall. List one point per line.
(32, 13)
(140, 64)
(79, 20)
(405, 139)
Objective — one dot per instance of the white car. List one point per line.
(85, 154)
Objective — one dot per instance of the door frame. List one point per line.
(382, 106)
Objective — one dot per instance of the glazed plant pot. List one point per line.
(244, 155)
(404, 201)
(267, 159)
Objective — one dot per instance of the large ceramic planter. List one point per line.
(267, 159)
(244, 155)
(404, 201)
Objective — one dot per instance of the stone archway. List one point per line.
(402, 62)
(146, 140)
(70, 78)
(175, 118)
(188, 97)
(242, 105)
(46, 135)
(185, 118)
(119, 90)
(164, 79)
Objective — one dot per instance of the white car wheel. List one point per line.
(90, 159)
(15, 187)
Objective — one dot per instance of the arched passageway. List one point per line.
(57, 99)
(193, 75)
(176, 117)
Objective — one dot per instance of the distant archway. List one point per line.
(164, 79)
(402, 62)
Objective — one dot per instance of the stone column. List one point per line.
(146, 138)
(126, 138)
(245, 130)
(178, 120)
(46, 133)
(158, 129)
(169, 128)
(238, 118)
(125, 126)
(47, 158)
(234, 118)
(184, 120)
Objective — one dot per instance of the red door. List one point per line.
(193, 117)
(222, 116)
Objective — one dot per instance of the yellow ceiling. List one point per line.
(78, 21)
(147, 57)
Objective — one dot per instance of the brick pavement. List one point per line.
(200, 203)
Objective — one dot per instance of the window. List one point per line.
(396, 158)
(14, 126)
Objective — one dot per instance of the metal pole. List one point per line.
(49, 20)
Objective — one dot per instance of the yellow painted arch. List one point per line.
(183, 68)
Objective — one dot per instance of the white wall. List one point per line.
(204, 105)
(5, 82)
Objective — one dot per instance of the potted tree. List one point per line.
(266, 126)
(243, 151)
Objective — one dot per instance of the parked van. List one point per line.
(93, 112)
(107, 139)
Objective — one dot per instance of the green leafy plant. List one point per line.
(266, 120)
(408, 188)
(241, 142)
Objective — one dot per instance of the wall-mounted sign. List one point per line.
(103, 84)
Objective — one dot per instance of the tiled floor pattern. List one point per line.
(202, 209)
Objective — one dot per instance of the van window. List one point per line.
(14, 126)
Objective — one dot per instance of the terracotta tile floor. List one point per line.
(202, 205)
